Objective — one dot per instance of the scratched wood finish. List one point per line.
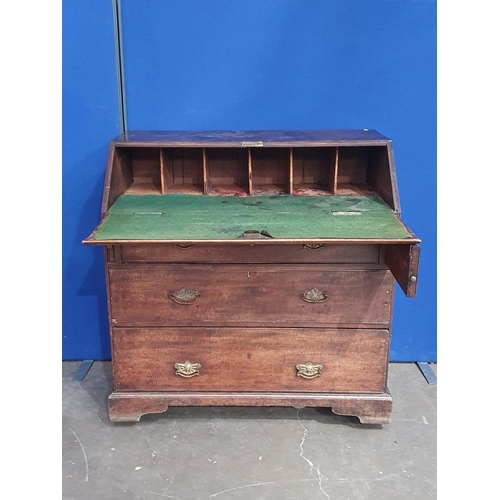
(250, 295)
(250, 360)
(237, 253)
(269, 138)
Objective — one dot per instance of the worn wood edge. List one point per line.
(107, 179)
(306, 325)
(403, 262)
(125, 409)
(368, 407)
(413, 270)
(393, 177)
(376, 241)
(253, 265)
(289, 144)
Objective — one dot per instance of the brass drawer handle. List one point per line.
(183, 247)
(187, 369)
(308, 370)
(313, 296)
(314, 246)
(185, 296)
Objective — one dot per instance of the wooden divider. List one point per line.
(162, 171)
(335, 171)
(250, 180)
(169, 161)
(205, 172)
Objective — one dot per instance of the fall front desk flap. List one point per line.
(185, 217)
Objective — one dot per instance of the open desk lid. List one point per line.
(176, 217)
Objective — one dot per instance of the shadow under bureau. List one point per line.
(253, 268)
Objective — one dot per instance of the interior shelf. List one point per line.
(140, 169)
(269, 171)
(314, 171)
(182, 170)
(227, 171)
(244, 171)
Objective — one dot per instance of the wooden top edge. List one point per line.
(251, 138)
(405, 241)
(269, 395)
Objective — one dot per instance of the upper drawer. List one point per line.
(249, 295)
(252, 253)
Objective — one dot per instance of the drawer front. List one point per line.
(222, 359)
(252, 253)
(252, 295)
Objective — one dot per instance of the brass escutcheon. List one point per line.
(308, 370)
(185, 296)
(313, 296)
(187, 369)
(314, 246)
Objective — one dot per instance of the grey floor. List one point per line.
(247, 453)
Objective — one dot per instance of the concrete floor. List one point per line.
(247, 453)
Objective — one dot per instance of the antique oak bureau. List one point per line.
(253, 268)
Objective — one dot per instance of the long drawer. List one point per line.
(225, 359)
(249, 295)
(252, 253)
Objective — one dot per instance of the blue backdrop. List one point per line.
(90, 121)
(264, 64)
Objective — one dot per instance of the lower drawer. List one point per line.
(226, 359)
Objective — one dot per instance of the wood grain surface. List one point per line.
(249, 295)
(249, 359)
(236, 253)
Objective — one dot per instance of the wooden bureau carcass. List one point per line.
(253, 268)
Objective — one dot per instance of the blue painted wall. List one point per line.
(90, 121)
(267, 64)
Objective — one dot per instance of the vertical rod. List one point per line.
(290, 173)
(120, 73)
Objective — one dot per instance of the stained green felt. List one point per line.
(187, 217)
